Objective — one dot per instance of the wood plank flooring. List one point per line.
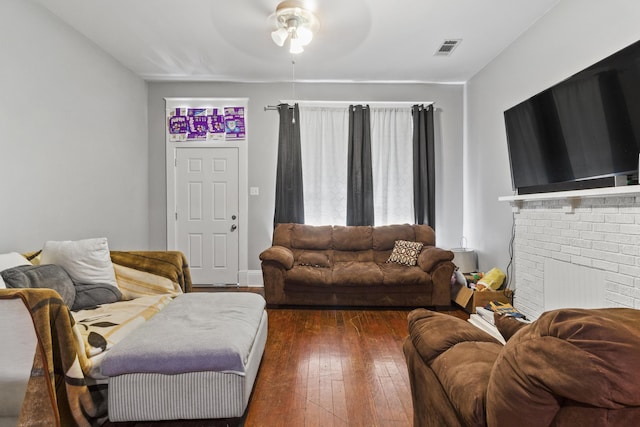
(327, 367)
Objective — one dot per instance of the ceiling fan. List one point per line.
(295, 23)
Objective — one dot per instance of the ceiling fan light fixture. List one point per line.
(305, 35)
(295, 45)
(279, 36)
(295, 23)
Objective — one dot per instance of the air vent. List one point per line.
(447, 47)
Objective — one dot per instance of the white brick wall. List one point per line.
(601, 233)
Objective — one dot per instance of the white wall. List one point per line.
(263, 128)
(572, 36)
(73, 146)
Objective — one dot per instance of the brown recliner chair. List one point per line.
(571, 367)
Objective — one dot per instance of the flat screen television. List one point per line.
(581, 132)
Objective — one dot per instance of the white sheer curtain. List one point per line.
(392, 163)
(324, 133)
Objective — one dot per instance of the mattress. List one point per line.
(151, 396)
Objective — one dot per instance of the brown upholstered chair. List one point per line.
(571, 367)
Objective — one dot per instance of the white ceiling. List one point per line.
(358, 40)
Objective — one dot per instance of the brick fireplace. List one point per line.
(579, 249)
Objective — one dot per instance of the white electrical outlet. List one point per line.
(254, 191)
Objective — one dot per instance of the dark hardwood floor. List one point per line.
(326, 367)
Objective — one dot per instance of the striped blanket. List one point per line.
(65, 387)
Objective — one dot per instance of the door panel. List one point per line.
(207, 211)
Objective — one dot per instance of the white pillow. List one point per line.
(86, 261)
(10, 260)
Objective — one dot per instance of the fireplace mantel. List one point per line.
(571, 197)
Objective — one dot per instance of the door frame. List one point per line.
(243, 170)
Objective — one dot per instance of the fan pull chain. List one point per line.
(293, 86)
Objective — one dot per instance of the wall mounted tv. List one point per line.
(581, 133)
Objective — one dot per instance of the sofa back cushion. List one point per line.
(301, 236)
(385, 236)
(352, 238)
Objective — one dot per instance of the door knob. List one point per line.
(233, 217)
(233, 227)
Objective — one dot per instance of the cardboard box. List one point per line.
(470, 299)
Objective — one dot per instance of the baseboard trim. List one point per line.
(251, 278)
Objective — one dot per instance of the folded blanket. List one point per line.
(56, 376)
(99, 329)
(170, 264)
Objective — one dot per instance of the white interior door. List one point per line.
(207, 213)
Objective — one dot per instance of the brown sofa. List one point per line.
(571, 367)
(347, 266)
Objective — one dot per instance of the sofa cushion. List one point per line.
(86, 261)
(42, 276)
(402, 275)
(433, 333)
(310, 236)
(405, 252)
(353, 238)
(353, 256)
(306, 275)
(385, 236)
(466, 387)
(356, 274)
(314, 259)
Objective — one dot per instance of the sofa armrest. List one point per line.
(431, 256)
(278, 254)
(433, 333)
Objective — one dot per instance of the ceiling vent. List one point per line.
(447, 47)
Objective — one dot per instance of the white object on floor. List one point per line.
(487, 327)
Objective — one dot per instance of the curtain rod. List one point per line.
(347, 103)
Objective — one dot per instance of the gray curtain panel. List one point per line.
(424, 183)
(360, 175)
(289, 190)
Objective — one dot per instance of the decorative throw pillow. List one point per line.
(405, 252)
(42, 276)
(93, 295)
(87, 261)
